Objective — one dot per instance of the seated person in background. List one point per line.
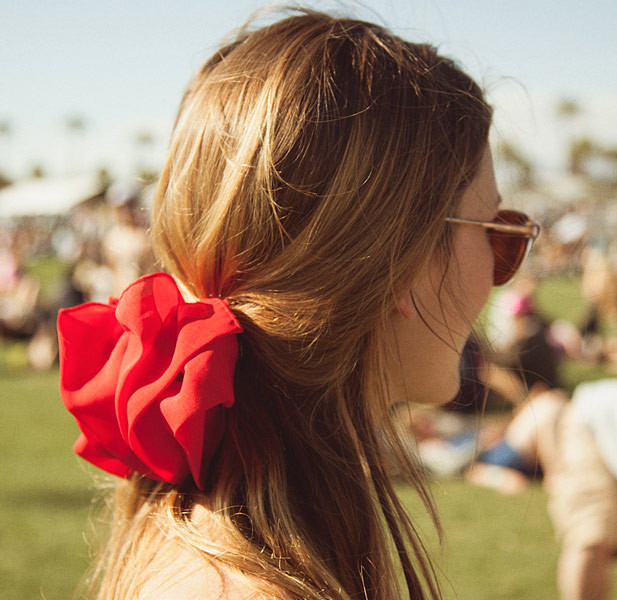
(444, 442)
(581, 481)
(509, 464)
(448, 441)
(575, 445)
(529, 352)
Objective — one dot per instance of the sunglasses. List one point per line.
(511, 236)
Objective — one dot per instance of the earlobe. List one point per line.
(406, 305)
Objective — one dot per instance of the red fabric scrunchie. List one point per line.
(147, 378)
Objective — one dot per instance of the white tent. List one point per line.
(34, 197)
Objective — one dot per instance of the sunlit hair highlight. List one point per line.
(310, 169)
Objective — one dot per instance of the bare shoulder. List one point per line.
(179, 573)
(206, 582)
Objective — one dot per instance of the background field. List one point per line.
(497, 547)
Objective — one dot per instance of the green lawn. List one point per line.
(497, 547)
(560, 298)
(45, 497)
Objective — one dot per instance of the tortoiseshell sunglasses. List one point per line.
(511, 236)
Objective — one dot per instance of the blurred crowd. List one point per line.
(94, 250)
(97, 248)
(56, 261)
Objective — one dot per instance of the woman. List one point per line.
(327, 198)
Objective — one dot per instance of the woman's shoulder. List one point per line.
(187, 576)
(181, 572)
(206, 583)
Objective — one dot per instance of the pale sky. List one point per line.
(122, 65)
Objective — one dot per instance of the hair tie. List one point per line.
(147, 377)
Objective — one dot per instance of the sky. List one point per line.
(121, 66)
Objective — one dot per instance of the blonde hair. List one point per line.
(310, 168)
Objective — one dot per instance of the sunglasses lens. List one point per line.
(509, 248)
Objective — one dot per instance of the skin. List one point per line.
(433, 320)
(583, 572)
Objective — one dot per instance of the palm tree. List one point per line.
(567, 110)
(75, 125)
(144, 143)
(581, 150)
(6, 130)
(37, 172)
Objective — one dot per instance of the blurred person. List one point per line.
(42, 350)
(89, 275)
(126, 247)
(474, 370)
(443, 441)
(511, 459)
(525, 345)
(599, 291)
(573, 445)
(504, 450)
(9, 264)
(581, 480)
(19, 304)
(329, 212)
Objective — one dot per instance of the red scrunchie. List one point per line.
(147, 378)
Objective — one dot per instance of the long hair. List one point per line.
(311, 166)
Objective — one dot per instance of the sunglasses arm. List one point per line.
(532, 229)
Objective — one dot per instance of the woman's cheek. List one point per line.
(474, 273)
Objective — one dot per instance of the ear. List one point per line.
(406, 305)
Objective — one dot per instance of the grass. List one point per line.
(497, 547)
(45, 497)
(559, 298)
